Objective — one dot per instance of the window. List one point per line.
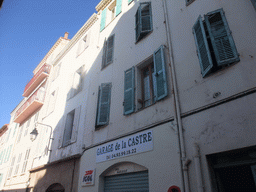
(108, 51)
(71, 127)
(83, 44)
(56, 72)
(188, 2)
(18, 164)
(103, 108)
(24, 167)
(215, 45)
(151, 83)
(254, 3)
(11, 167)
(20, 133)
(77, 83)
(143, 21)
(53, 97)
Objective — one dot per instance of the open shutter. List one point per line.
(104, 54)
(129, 91)
(254, 3)
(118, 7)
(103, 19)
(104, 104)
(222, 41)
(75, 124)
(146, 17)
(110, 50)
(203, 50)
(160, 74)
(138, 24)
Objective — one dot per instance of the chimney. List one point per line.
(66, 35)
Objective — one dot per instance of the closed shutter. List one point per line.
(132, 182)
(203, 51)
(118, 7)
(160, 74)
(104, 104)
(138, 25)
(75, 124)
(103, 19)
(129, 91)
(222, 41)
(110, 50)
(254, 3)
(104, 54)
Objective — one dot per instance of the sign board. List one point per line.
(126, 146)
(88, 178)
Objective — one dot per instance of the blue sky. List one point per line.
(28, 30)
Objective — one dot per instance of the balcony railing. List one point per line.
(34, 102)
(43, 72)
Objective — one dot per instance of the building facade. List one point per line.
(147, 96)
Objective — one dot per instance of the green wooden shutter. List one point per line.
(129, 91)
(203, 50)
(110, 50)
(160, 74)
(104, 104)
(118, 7)
(146, 17)
(103, 19)
(221, 39)
(129, 1)
(138, 24)
(254, 3)
(104, 54)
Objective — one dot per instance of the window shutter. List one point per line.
(129, 91)
(138, 24)
(160, 74)
(110, 50)
(103, 19)
(104, 104)
(104, 54)
(75, 124)
(222, 41)
(146, 17)
(203, 51)
(254, 3)
(118, 7)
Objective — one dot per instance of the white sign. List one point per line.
(88, 178)
(127, 146)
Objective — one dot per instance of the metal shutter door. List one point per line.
(131, 182)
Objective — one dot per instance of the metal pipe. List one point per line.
(177, 111)
(200, 187)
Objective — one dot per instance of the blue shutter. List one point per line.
(129, 91)
(110, 50)
(254, 3)
(203, 50)
(118, 7)
(138, 24)
(104, 104)
(221, 39)
(103, 19)
(160, 74)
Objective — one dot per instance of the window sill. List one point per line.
(136, 42)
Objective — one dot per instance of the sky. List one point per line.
(28, 30)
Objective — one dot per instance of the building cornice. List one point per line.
(77, 36)
(102, 4)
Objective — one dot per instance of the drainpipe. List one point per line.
(177, 116)
(200, 187)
